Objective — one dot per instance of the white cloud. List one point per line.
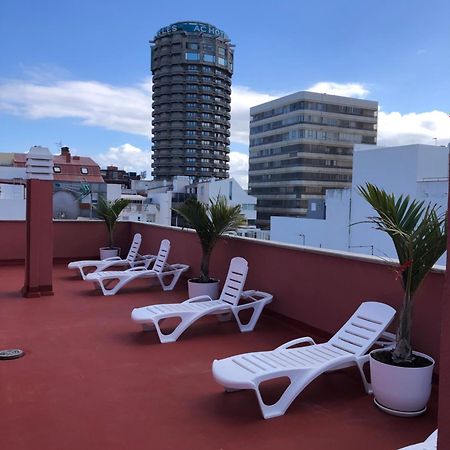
(121, 108)
(127, 157)
(358, 90)
(413, 128)
(239, 168)
(242, 99)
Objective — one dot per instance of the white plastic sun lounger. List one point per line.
(166, 274)
(193, 309)
(429, 444)
(303, 364)
(133, 259)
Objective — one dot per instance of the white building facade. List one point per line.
(234, 194)
(12, 193)
(420, 171)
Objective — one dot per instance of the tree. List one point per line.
(419, 234)
(109, 212)
(210, 222)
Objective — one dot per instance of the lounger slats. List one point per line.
(132, 253)
(296, 358)
(234, 283)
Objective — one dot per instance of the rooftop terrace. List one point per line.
(92, 380)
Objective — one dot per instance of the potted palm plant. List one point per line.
(109, 212)
(210, 221)
(401, 377)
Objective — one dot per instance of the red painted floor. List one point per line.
(92, 380)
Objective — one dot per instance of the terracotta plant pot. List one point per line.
(108, 252)
(211, 289)
(402, 391)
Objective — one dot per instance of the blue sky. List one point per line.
(78, 71)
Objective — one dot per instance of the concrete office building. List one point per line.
(192, 65)
(301, 145)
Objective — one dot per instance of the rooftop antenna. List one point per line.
(59, 144)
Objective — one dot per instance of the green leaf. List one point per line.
(109, 212)
(210, 222)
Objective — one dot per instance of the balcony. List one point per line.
(91, 379)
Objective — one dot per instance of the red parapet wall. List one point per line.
(75, 240)
(318, 288)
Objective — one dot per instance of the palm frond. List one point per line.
(210, 222)
(109, 212)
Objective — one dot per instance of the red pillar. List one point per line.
(444, 366)
(39, 256)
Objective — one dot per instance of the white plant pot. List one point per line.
(402, 391)
(195, 289)
(107, 252)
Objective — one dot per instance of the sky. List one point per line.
(77, 72)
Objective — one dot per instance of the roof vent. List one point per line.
(39, 165)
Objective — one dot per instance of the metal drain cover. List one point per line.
(11, 353)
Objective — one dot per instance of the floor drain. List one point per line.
(12, 353)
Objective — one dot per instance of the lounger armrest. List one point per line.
(137, 269)
(257, 296)
(113, 258)
(169, 268)
(386, 339)
(301, 340)
(199, 298)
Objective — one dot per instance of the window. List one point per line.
(190, 133)
(209, 58)
(191, 124)
(207, 69)
(84, 170)
(221, 51)
(222, 61)
(56, 169)
(191, 141)
(206, 142)
(192, 68)
(192, 46)
(191, 56)
(190, 160)
(190, 151)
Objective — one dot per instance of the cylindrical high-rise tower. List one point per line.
(192, 64)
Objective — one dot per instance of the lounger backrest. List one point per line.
(161, 258)
(234, 284)
(362, 329)
(134, 249)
